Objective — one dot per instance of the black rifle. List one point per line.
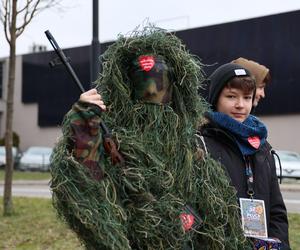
(108, 143)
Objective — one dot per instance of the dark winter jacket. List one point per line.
(222, 147)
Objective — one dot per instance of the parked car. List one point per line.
(36, 158)
(15, 153)
(290, 163)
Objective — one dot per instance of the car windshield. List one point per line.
(288, 156)
(39, 150)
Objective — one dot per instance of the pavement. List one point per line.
(29, 182)
(290, 185)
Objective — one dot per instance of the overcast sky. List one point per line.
(73, 26)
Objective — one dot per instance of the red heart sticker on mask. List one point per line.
(146, 62)
(254, 141)
(187, 221)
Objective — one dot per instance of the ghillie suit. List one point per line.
(138, 205)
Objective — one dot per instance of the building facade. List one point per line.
(43, 95)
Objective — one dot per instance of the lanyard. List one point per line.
(250, 178)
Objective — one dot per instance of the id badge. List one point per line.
(254, 221)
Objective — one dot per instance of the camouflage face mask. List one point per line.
(150, 77)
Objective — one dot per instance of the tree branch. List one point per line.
(31, 9)
(29, 14)
(25, 7)
(6, 20)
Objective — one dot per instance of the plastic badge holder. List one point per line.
(266, 244)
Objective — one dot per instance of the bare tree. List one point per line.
(15, 16)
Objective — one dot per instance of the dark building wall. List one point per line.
(53, 88)
(272, 40)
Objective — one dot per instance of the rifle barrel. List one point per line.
(64, 60)
(115, 155)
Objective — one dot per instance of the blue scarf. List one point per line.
(245, 133)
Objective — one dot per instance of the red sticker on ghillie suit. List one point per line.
(187, 221)
(190, 219)
(146, 62)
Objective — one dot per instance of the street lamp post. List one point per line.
(96, 49)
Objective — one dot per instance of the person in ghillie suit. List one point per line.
(166, 194)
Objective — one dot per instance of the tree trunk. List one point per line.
(7, 197)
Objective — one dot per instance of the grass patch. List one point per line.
(34, 226)
(28, 175)
(294, 230)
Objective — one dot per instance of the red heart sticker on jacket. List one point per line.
(146, 62)
(254, 141)
(187, 221)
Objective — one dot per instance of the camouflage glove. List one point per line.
(86, 138)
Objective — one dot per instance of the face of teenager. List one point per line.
(260, 93)
(235, 103)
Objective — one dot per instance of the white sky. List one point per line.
(73, 26)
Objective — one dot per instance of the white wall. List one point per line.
(25, 120)
(283, 131)
(2, 100)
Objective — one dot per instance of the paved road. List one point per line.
(29, 189)
(290, 192)
(292, 201)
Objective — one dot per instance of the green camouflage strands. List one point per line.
(87, 204)
(138, 206)
(151, 80)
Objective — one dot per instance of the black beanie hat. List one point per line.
(220, 77)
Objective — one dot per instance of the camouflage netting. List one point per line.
(137, 206)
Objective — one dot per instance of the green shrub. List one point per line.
(16, 140)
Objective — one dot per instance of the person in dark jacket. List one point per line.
(261, 74)
(238, 141)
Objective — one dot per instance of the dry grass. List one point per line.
(21, 175)
(34, 226)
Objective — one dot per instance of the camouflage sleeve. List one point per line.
(85, 139)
